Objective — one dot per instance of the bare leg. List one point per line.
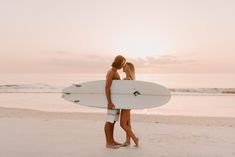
(107, 129)
(125, 116)
(108, 134)
(128, 138)
(130, 133)
(112, 134)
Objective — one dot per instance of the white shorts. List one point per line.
(112, 115)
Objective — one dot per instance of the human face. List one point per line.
(126, 68)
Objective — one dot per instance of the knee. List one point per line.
(106, 126)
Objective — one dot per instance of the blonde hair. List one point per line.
(118, 61)
(132, 70)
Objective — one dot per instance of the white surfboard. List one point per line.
(125, 94)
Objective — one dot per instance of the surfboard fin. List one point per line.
(77, 85)
(76, 101)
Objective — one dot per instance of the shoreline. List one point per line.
(157, 119)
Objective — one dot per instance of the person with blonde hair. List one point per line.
(125, 121)
(112, 114)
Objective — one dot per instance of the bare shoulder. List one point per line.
(110, 73)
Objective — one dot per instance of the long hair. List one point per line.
(132, 70)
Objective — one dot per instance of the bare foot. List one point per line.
(112, 146)
(125, 144)
(116, 143)
(137, 142)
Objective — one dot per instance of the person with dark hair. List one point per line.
(112, 114)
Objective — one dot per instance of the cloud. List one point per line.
(169, 60)
(80, 62)
(56, 52)
(165, 60)
(101, 62)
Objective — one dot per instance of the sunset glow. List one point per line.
(157, 36)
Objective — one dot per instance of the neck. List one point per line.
(114, 69)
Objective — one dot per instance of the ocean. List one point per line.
(210, 95)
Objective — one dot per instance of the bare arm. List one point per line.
(109, 80)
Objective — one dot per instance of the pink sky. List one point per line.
(85, 35)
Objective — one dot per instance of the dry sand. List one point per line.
(29, 133)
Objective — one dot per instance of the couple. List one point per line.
(113, 114)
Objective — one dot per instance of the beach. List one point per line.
(27, 132)
(199, 120)
(174, 61)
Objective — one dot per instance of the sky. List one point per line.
(84, 36)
